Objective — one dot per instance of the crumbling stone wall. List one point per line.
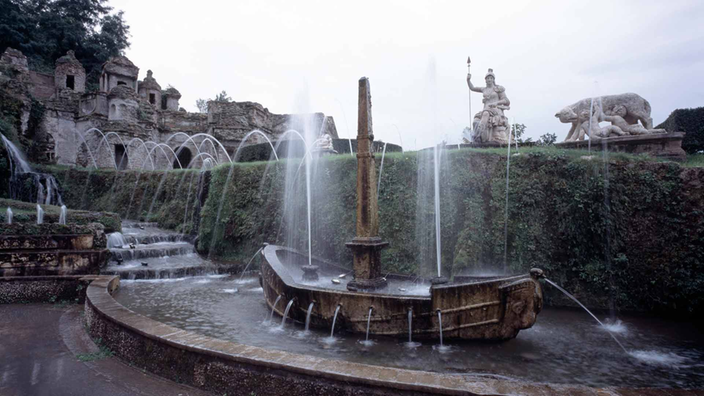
(69, 71)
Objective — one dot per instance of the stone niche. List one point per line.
(69, 73)
(123, 104)
(118, 71)
(150, 90)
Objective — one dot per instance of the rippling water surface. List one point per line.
(564, 346)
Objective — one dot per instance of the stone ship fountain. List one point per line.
(317, 292)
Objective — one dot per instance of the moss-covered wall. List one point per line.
(163, 197)
(635, 238)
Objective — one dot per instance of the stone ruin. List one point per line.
(127, 109)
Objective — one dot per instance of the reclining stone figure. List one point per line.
(636, 109)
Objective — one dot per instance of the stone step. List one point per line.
(153, 238)
(167, 273)
(52, 262)
(160, 249)
(44, 242)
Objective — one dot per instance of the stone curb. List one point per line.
(225, 366)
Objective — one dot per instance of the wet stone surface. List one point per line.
(564, 347)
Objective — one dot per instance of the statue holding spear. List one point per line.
(490, 124)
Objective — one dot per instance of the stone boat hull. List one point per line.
(494, 308)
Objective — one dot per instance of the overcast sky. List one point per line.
(305, 56)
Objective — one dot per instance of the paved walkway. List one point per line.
(40, 347)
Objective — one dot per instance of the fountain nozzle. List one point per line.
(537, 273)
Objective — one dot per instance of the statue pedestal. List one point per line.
(366, 264)
(317, 153)
(659, 145)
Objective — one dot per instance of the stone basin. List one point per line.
(493, 308)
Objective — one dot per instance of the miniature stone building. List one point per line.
(150, 90)
(131, 124)
(118, 71)
(69, 73)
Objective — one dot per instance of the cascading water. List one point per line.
(436, 184)
(369, 319)
(440, 326)
(381, 170)
(508, 166)
(44, 190)
(62, 216)
(310, 310)
(250, 262)
(8, 217)
(607, 226)
(40, 215)
(288, 308)
(410, 343)
(334, 319)
(588, 311)
(273, 307)
(116, 240)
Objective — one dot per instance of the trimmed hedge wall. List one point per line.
(263, 152)
(635, 238)
(690, 121)
(163, 197)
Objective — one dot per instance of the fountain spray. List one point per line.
(469, 62)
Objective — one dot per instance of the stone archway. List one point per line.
(184, 157)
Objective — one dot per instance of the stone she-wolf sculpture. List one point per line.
(623, 111)
(490, 124)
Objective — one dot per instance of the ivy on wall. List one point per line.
(626, 232)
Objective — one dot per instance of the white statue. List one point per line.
(490, 124)
(624, 111)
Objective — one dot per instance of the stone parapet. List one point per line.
(659, 145)
(227, 367)
(41, 289)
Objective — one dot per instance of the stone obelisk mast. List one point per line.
(367, 245)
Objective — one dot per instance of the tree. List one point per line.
(222, 97)
(44, 30)
(547, 139)
(202, 104)
(517, 130)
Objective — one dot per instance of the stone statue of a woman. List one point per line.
(490, 124)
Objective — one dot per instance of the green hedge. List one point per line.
(635, 238)
(152, 196)
(690, 121)
(263, 152)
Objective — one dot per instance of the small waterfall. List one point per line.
(410, 343)
(310, 309)
(369, 317)
(436, 169)
(381, 170)
(250, 262)
(20, 170)
(508, 165)
(588, 311)
(40, 215)
(288, 307)
(62, 216)
(334, 319)
(9, 215)
(272, 308)
(440, 326)
(116, 240)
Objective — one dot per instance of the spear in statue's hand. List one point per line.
(469, 61)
